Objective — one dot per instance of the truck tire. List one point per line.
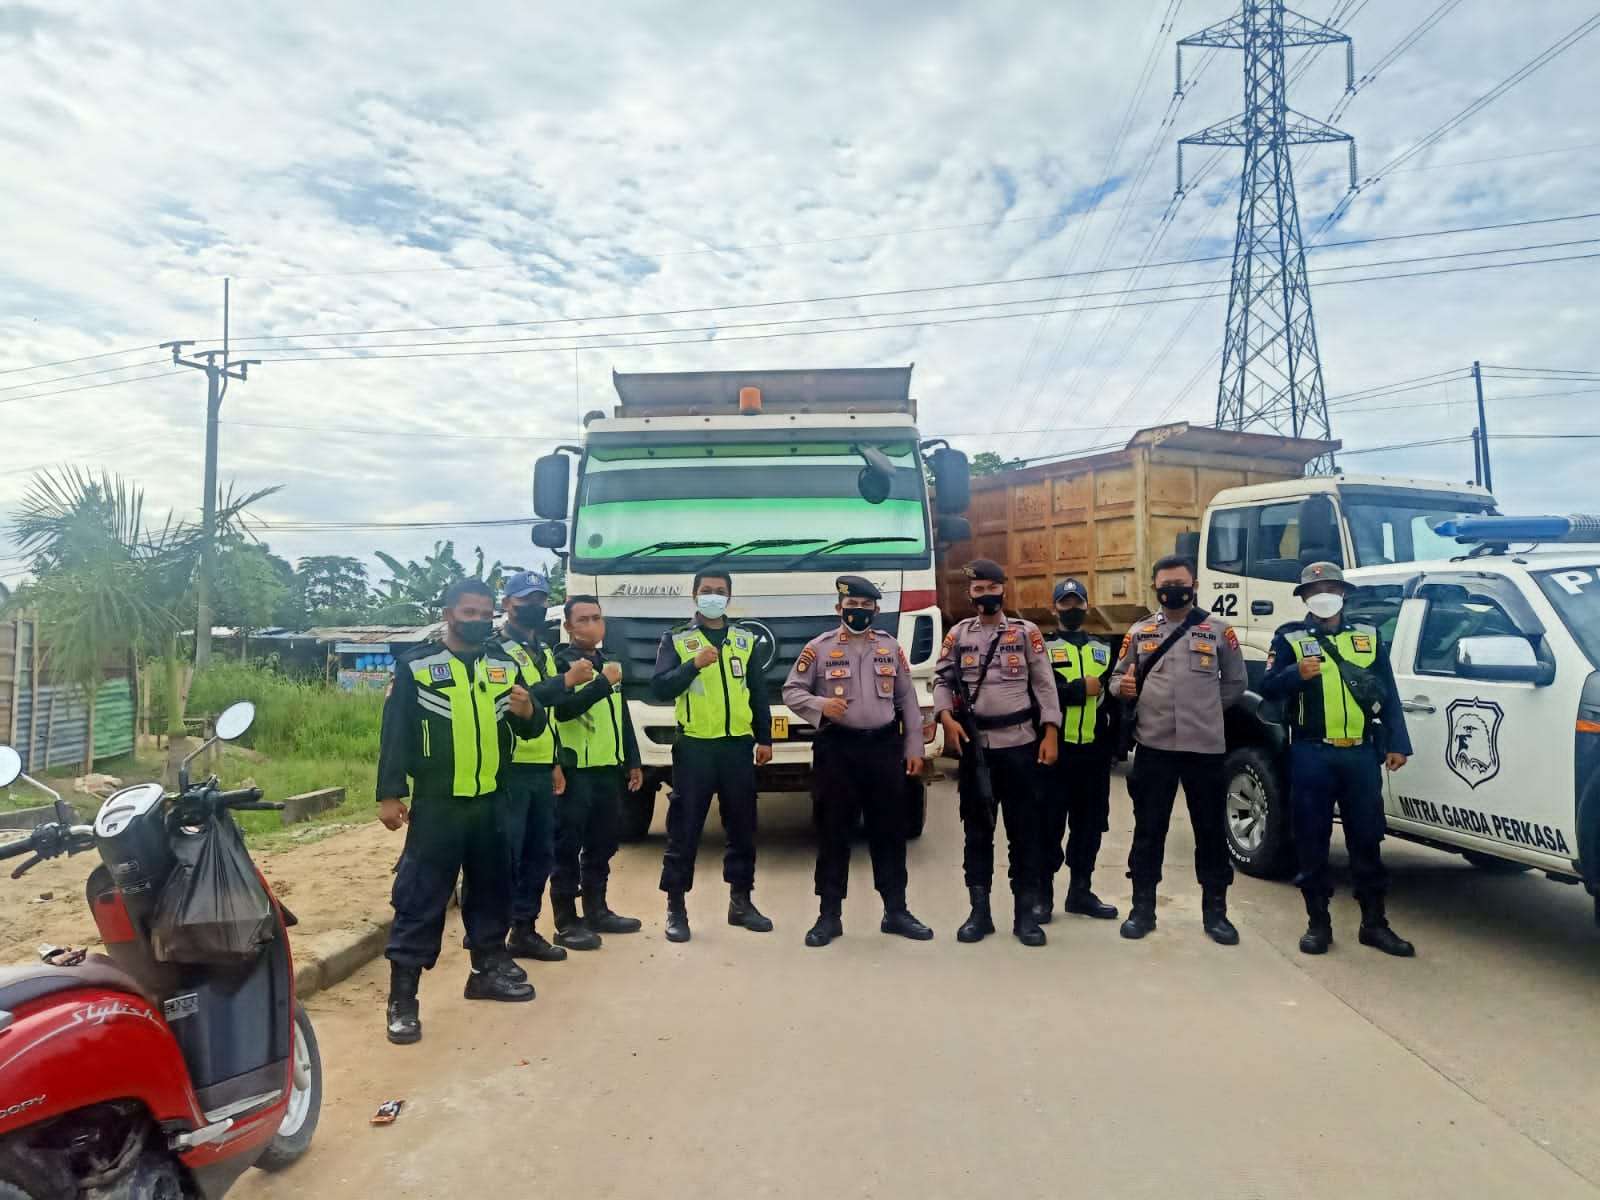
(1493, 865)
(916, 807)
(1257, 814)
(638, 810)
(294, 1136)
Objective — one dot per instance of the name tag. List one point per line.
(736, 668)
(1361, 644)
(1310, 649)
(497, 674)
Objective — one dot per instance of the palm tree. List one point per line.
(415, 589)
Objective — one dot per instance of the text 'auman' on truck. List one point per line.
(786, 479)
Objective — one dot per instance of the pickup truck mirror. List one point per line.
(1502, 660)
(551, 480)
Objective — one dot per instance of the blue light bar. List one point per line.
(1575, 528)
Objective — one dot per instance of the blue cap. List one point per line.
(526, 583)
(1071, 587)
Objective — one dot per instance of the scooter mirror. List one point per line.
(10, 766)
(235, 719)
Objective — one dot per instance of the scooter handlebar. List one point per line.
(17, 848)
(245, 798)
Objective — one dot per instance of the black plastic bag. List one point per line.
(213, 907)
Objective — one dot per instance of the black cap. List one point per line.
(985, 568)
(854, 585)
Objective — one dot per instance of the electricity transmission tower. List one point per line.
(1271, 375)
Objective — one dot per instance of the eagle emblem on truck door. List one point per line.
(1472, 747)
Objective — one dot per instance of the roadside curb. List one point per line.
(325, 959)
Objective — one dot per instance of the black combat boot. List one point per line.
(677, 918)
(1375, 931)
(1044, 904)
(980, 921)
(742, 911)
(1142, 916)
(1319, 926)
(1025, 924)
(501, 961)
(405, 1023)
(597, 915)
(1085, 903)
(1214, 916)
(489, 982)
(897, 919)
(527, 942)
(571, 931)
(829, 925)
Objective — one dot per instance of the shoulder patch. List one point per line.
(439, 672)
(1127, 640)
(1231, 637)
(1037, 642)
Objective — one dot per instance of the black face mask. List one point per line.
(1175, 596)
(988, 605)
(857, 620)
(1072, 619)
(528, 616)
(473, 633)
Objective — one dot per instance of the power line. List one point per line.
(154, 362)
(67, 362)
(1410, 39)
(87, 387)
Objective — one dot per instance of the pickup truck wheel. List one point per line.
(638, 811)
(1258, 815)
(916, 807)
(1493, 865)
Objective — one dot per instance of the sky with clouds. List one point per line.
(443, 171)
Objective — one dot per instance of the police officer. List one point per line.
(852, 683)
(998, 667)
(1337, 684)
(1076, 792)
(533, 777)
(710, 671)
(448, 724)
(1180, 668)
(598, 752)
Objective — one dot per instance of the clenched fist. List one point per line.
(579, 673)
(1091, 685)
(521, 701)
(613, 674)
(707, 656)
(392, 813)
(1130, 685)
(1311, 667)
(835, 708)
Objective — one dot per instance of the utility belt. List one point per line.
(853, 733)
(1300, 734)
(1007, 721)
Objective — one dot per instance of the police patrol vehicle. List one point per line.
(1497, 658)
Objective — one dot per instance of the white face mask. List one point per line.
(711, 605)
(1326, 605)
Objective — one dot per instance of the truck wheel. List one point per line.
(1258, 814)
(638, 811)
(916, 807)
(1493, 865)
(294, 1135)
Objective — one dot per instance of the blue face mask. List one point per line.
(711, 605)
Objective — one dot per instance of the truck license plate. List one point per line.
(780, 727)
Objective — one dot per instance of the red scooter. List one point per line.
(134, 1076)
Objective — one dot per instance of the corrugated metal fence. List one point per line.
(48, 723)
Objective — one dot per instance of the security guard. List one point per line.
(1341, 702)
(533, 777)
(1180, 668)
(999, 668)
(598, 748)
(710, 671)
(1076, 792)
(448, 724)
(853, 683)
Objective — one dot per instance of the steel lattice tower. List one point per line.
(1271, 374)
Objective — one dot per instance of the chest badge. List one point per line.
(835, 653)
(1361, 644)
(497, 674)
(439, 672)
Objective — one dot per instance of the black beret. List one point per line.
(854, 585)
(985, 568)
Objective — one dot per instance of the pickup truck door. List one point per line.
(1492, 760)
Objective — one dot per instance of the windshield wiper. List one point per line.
(842, 544)
(657, 547)
(758, 544)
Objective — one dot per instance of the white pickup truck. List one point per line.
(1496, 654)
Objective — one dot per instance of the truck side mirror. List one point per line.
(552, 477)
(876, 479)
(949, 530)
(1502, 659)
(952, 479)
(1319, 531)
(550, 535)
(1187, 546)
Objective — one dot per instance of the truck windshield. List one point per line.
(1398, 527)
(1575, 595)
(769, 499)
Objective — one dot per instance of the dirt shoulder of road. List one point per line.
(331, 883)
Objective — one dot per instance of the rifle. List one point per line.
(967, 718)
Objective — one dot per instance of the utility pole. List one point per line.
(218, 373)
(1483, 428)
(1477, 457)
(1271, 372)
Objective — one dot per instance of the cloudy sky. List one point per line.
(512, 191)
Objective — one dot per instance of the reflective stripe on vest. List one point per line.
(1341, 715)
(594, 736)
(472, 708)
(717, 703)
(1073, 663)
(541, 749)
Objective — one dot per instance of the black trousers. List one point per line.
(1153, 784)
(1014, 779)
(528, 819)
(586, 830)
(1350, 777)
(450, 836)
(860, 772)
(1075, 795)
(700, 767)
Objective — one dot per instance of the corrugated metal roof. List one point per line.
(376, 635)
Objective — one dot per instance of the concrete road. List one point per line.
(746, 1065)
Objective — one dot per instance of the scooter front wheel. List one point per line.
(294, 1135)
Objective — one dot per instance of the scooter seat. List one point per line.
(23, 985)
